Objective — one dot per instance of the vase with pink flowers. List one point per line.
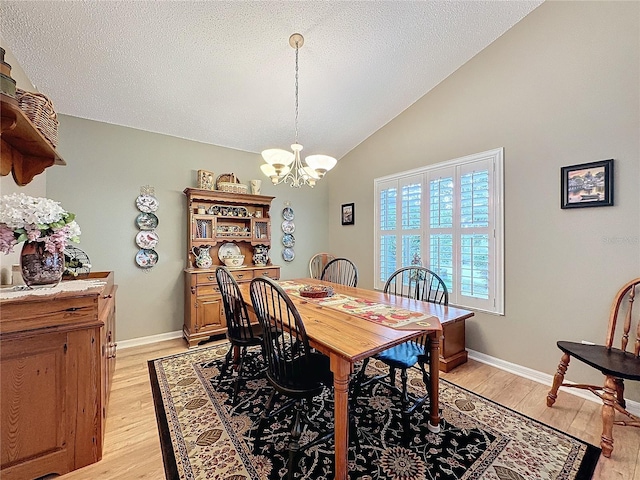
(45, 228)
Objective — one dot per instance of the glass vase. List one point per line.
(40, 267)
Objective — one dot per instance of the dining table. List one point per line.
(354, 327)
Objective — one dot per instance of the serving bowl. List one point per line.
(233, 260)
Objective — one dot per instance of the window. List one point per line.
(447, 217)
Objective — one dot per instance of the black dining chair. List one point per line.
(422, 284)
(342, 271)
(240, 332)
(293, 369)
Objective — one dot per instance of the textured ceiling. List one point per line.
(222, 72)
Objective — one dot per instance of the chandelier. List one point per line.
(283, 166)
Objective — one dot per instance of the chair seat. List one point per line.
(612, 362)
(307, 378)
(404, 355)
(246, 336)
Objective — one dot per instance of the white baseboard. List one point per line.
(136, 342)
(544, 378)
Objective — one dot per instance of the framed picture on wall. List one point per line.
(587, 185)
(348, 214)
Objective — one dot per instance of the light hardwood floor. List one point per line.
(132, 447)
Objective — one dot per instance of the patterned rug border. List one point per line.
(585, 471)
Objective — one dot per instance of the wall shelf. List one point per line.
(25, 151)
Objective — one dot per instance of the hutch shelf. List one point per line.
(217, 219)
(25, 152)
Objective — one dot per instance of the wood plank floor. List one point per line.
(132, 447)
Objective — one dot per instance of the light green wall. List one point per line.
(108, 164)
(560, 88)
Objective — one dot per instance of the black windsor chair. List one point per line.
(293, 369)
(240, 332)
(418, 283)
(342, 271)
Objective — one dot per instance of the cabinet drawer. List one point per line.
(207, 290)
(205, 278)
(273, 273)
(242, 275)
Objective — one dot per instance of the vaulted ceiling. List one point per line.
(222, 72)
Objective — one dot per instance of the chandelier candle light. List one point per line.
(282, 166)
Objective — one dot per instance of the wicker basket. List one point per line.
(39, 109)
(232, 187)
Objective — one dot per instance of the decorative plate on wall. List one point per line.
(288, 226)
(147, 203)
(147, 221)
(288, 240)
(146, 258)
(288, 254)
(287, 213)
(147, 239)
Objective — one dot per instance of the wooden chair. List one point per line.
(615, 364)
(418, 283)
(318, 262)
(293, 369)
(240, 333)
(342, 271)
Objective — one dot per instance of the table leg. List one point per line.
(434, 373)
(341, 369)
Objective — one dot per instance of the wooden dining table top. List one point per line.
(355, 338)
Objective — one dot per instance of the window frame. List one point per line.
(491, 160)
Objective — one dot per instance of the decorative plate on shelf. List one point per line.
(288, 226)
(147, 239)
(147, 203)
(146, 258)
(228, 249)
(146, 221)
(288, 240)
(287, 213)
(288, 254)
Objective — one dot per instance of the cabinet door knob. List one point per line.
(107, 296)
(240, 275)
(265, 274)
(211, 277)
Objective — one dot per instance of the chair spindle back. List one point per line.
(318, 262)
(418, 283)
(342, 271)
(285, 339)
(235, 310)
(623, 302)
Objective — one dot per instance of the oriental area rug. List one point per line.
(204, 436)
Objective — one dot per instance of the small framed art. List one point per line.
(587, 185)
(348, 213)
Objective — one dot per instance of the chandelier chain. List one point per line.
(297, 48)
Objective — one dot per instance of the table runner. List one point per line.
(387, 315)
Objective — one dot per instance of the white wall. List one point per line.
(560, 88)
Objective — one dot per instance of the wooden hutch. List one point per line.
(221, 220)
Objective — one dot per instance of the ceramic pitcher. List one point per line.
(203, 258)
